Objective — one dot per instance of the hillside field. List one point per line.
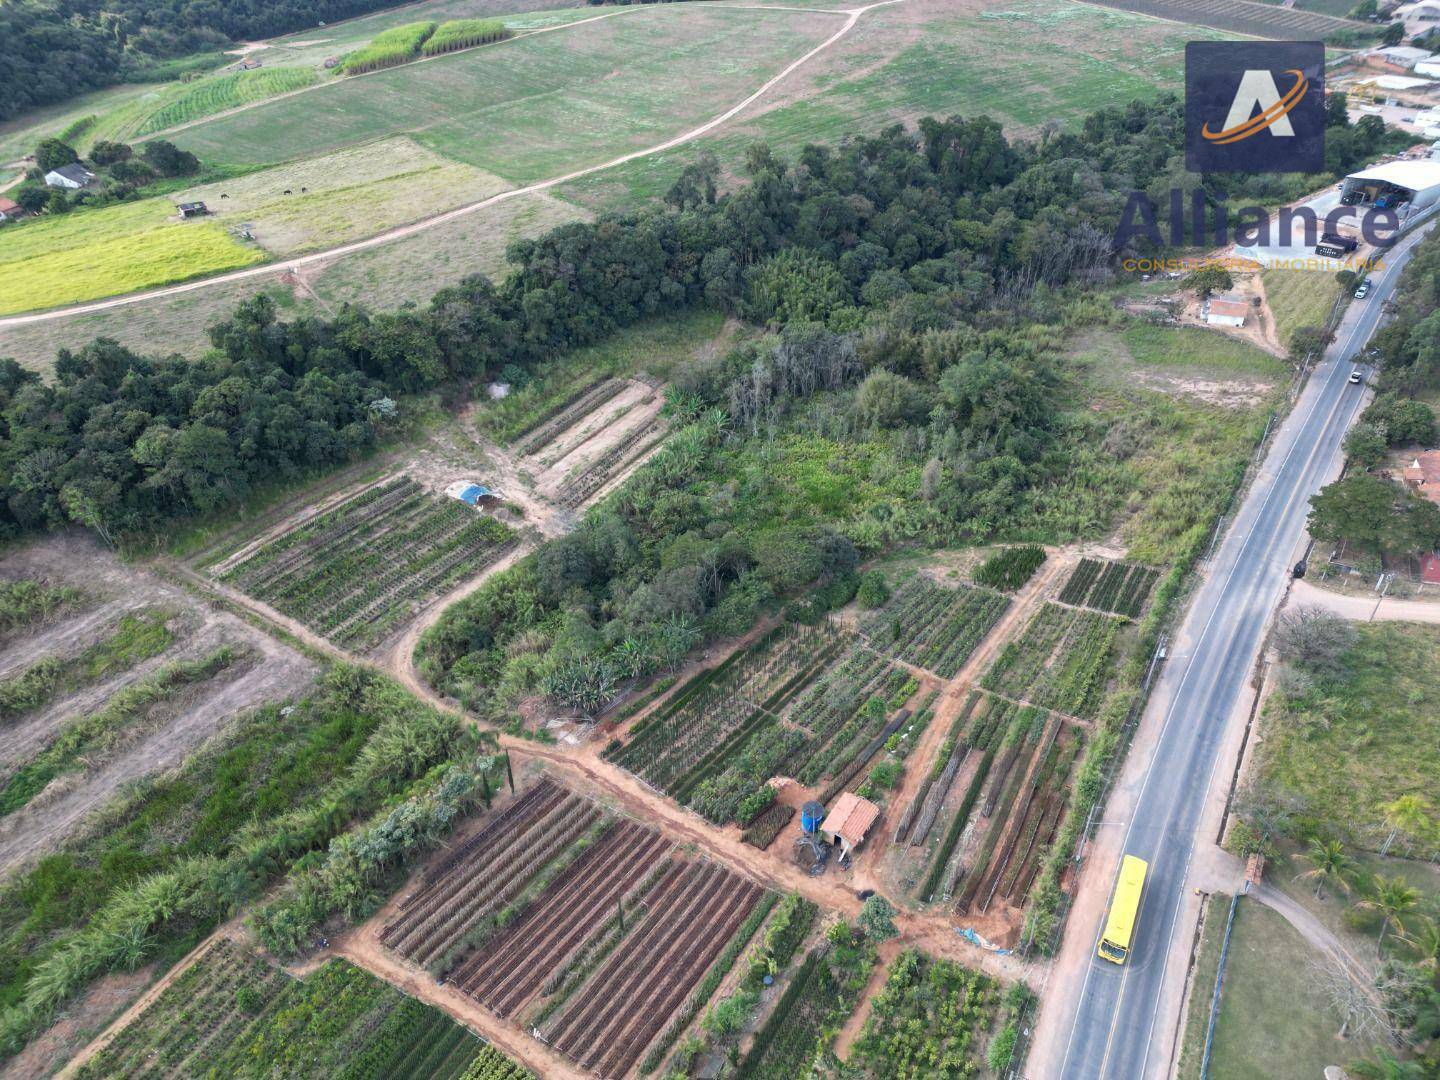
(139, 245)
(532, 108)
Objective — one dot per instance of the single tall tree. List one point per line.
(1393, 898)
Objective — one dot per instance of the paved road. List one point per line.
(1115, 1031)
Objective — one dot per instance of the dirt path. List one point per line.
(1361, 608)
(399, 659)
(1316, 933)
(852, 17)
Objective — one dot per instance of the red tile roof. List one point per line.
(1423, 473)
(1430, 569)
(851, 818)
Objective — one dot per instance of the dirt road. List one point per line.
(1361, 608)
(289, 265)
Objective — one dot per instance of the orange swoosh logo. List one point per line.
(1263, 120)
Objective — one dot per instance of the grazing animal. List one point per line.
(224, 195)
(287, 191)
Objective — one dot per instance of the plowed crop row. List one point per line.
(615, 1015)
(479, 887)
(506, 973)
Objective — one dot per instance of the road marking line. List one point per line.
(1338, 366)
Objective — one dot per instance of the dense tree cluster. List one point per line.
(927, 224)
(56, 49)
(119, 174)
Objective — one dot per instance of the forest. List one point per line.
(912, 249)
(57, 49)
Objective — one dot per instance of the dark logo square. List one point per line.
(1255, 106)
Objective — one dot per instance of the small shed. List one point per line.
(1422, 475)
(1226, 311)
(10, 209)
(193, 209)
(849, 822)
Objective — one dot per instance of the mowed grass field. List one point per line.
(1274, 1019)
(411, 270)
(335, 198)
(536, 107)
(1026, 64)
(69, 259)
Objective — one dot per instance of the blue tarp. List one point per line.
(473, 494)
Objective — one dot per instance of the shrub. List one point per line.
(873, 591)
(752, 805)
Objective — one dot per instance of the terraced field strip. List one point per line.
(231, 1009)
(357, 570)
(592, 478)
(488, 876)
(1062, 661)
(1243, 17)
(616, 1014)
(513, 966)
(667, 746)
(569, 413)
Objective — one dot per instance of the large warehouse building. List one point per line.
(1395, 184)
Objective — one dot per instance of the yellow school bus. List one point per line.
(1120, 923)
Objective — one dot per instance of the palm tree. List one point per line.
(1409, 814)
(1393, 897)
(1328, 863)
(1426, 942)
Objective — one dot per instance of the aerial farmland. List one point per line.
(671, 541)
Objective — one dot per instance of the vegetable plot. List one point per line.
(804, 701)
(1109, 586)
(232, 1014)
(932, 626)
(359, 570)
(931, 1021)
(1062, 661)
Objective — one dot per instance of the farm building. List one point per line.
(10, 210)
(1398, 58)
(193, 209)
(1226, 311)
(848, 823)
(1419, 18)
(472, 494)
(1430, 69)
(1396, 183)
(1422, 475)
(72, 177)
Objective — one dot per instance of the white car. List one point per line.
(1357, 377)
